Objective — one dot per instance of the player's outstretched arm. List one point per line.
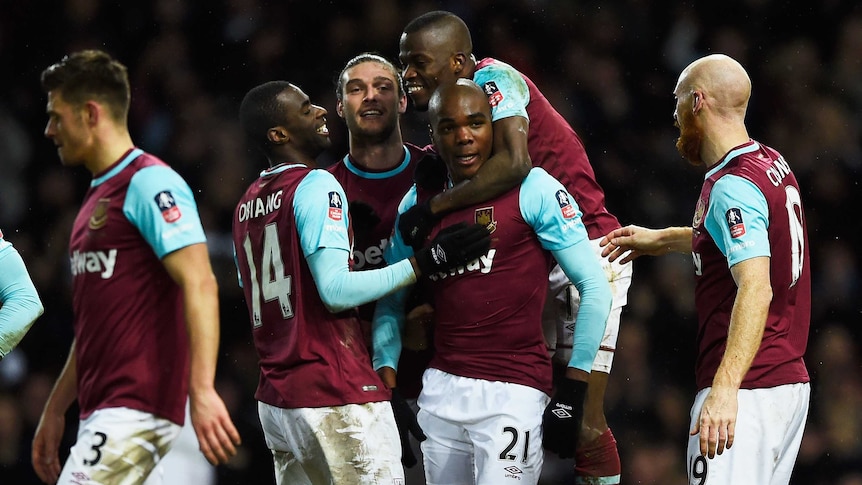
(190, 268)
(52, 423)
(632, 241)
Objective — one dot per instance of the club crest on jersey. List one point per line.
(734, 222)
(493, 93)
(99, 217)
(698, 213)
(335, 206)
(485, 217)
(566, 207)
(168, 205)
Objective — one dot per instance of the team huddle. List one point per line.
(452, 308)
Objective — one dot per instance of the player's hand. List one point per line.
(453, 246)
(717, 421)
(431, 173)
(363, 217)
(415, 224)
(46, 444)
(561, 421)
(631, 242)
(217, 435)
(405, 418)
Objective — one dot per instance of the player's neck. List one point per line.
(107, 148)
(718, 142)
(378, 155)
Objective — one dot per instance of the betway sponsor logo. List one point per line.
(373, 255)
(481, 264)
(94, 262)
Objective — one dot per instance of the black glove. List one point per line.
(431, 173)
(454, 246)
(364, 218)
(405, 418)
(562, 418)
(415, 224)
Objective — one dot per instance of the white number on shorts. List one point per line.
(504, 455)
(273, 281)
(698, 468)
(96, 449)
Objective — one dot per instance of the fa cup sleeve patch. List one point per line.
(335, 206)
(734, 222)
(168, 206)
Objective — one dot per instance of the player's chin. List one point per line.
(420, 100)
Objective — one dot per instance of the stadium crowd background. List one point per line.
(608, 67)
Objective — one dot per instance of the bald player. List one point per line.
(489, 347)
(436, 49)
(753, 288)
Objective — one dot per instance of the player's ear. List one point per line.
(278, 135)
(339, 108)
(697, 99)
(92, 111)
(459, 62)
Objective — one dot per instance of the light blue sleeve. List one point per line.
(320, 209)
(737, 219)
(388, 321)
(20, 305)
(556, 219)
(551, 211)
(161, 205)
(506, 89)
(581, 264)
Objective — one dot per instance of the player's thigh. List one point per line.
(768, 432)
(351, 444)
(118, 446)
(445, 403)
(508, 438)
(476, 427)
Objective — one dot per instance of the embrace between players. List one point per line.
(501, 285)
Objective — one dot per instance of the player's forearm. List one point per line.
(676, 239)
(745, 333)
(386, 330)
(498, 174)
(583, 269)
(341, 289)
(65, 389)
(20, 305)
(202, 325)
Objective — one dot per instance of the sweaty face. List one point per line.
(370, 102)
(306, 122)
(425, 61)
(68, 129)
(462, 133)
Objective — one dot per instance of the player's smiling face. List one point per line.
(371, 100)
(305, 122)
(426, 61)
(67, 128)
(462, 132)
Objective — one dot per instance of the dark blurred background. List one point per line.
(608, 67)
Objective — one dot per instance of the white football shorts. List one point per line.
(354, 444)
(119, 446)
(480, 432)
(769, 427)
